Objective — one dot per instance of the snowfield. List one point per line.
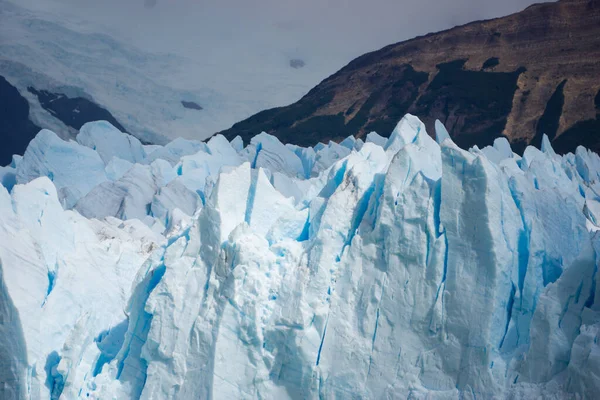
(397, 268)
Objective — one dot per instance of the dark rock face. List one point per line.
(585, 133)
(73, 112)
(490, 63)
(301, 123)
(16, 129)
(191, 105)
(519, 76)
(473, 104)
(550, 119)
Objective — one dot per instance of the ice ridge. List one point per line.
(392, 268)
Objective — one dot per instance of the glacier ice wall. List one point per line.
(397, 268)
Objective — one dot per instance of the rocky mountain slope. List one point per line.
(519, 76)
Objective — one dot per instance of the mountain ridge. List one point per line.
(539, 47)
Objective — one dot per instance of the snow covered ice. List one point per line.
(391, 268)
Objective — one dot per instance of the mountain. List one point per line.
(519, 76)
(16, 129)
(397, 268)
(64, 72)
(162, 71)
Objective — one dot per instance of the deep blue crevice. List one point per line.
(121, 363)
(377, 313)
(578, 292)
(437, 205)
(322, 340)
(439, 291)
(305, 231)
(141, 326)
(523, 249)
(509, 309)
(109, 343)
(307, 162)
(51, 284)
(373, 342)
(40, 217)
(378, 187)
(360, 211)
(100, 362)
(565, 310)
(524, 235)
(334, 183)
(359, 214)
(591, 298)
(185, 234)
(407, 173)
(375, 330)
(590, 215)
(436, 194)
(427, 247)
(251, 196)
(200, 193)
(54, 381)
(552, 270)
(445, 273)
(258, 149)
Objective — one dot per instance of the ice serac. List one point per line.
(127, 198)
(374, 137)
(237, 143)
(441, 133)
(327, 156)
(266, 205)
(110, 142)
(67, 280)
(268, 152)
(173, 151)
(8, 177)
(405, 132)
(397, 268)
(198, 170)
(74, 169)
(174, 196)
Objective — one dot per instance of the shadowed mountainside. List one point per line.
(16, 129)
(519, 76)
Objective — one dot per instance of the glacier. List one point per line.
(400, 267)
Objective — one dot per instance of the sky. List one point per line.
(239, 51)
(337, 29)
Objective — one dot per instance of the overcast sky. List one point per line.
(352, 26)
(235, 54)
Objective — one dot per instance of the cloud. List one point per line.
(150, 3)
